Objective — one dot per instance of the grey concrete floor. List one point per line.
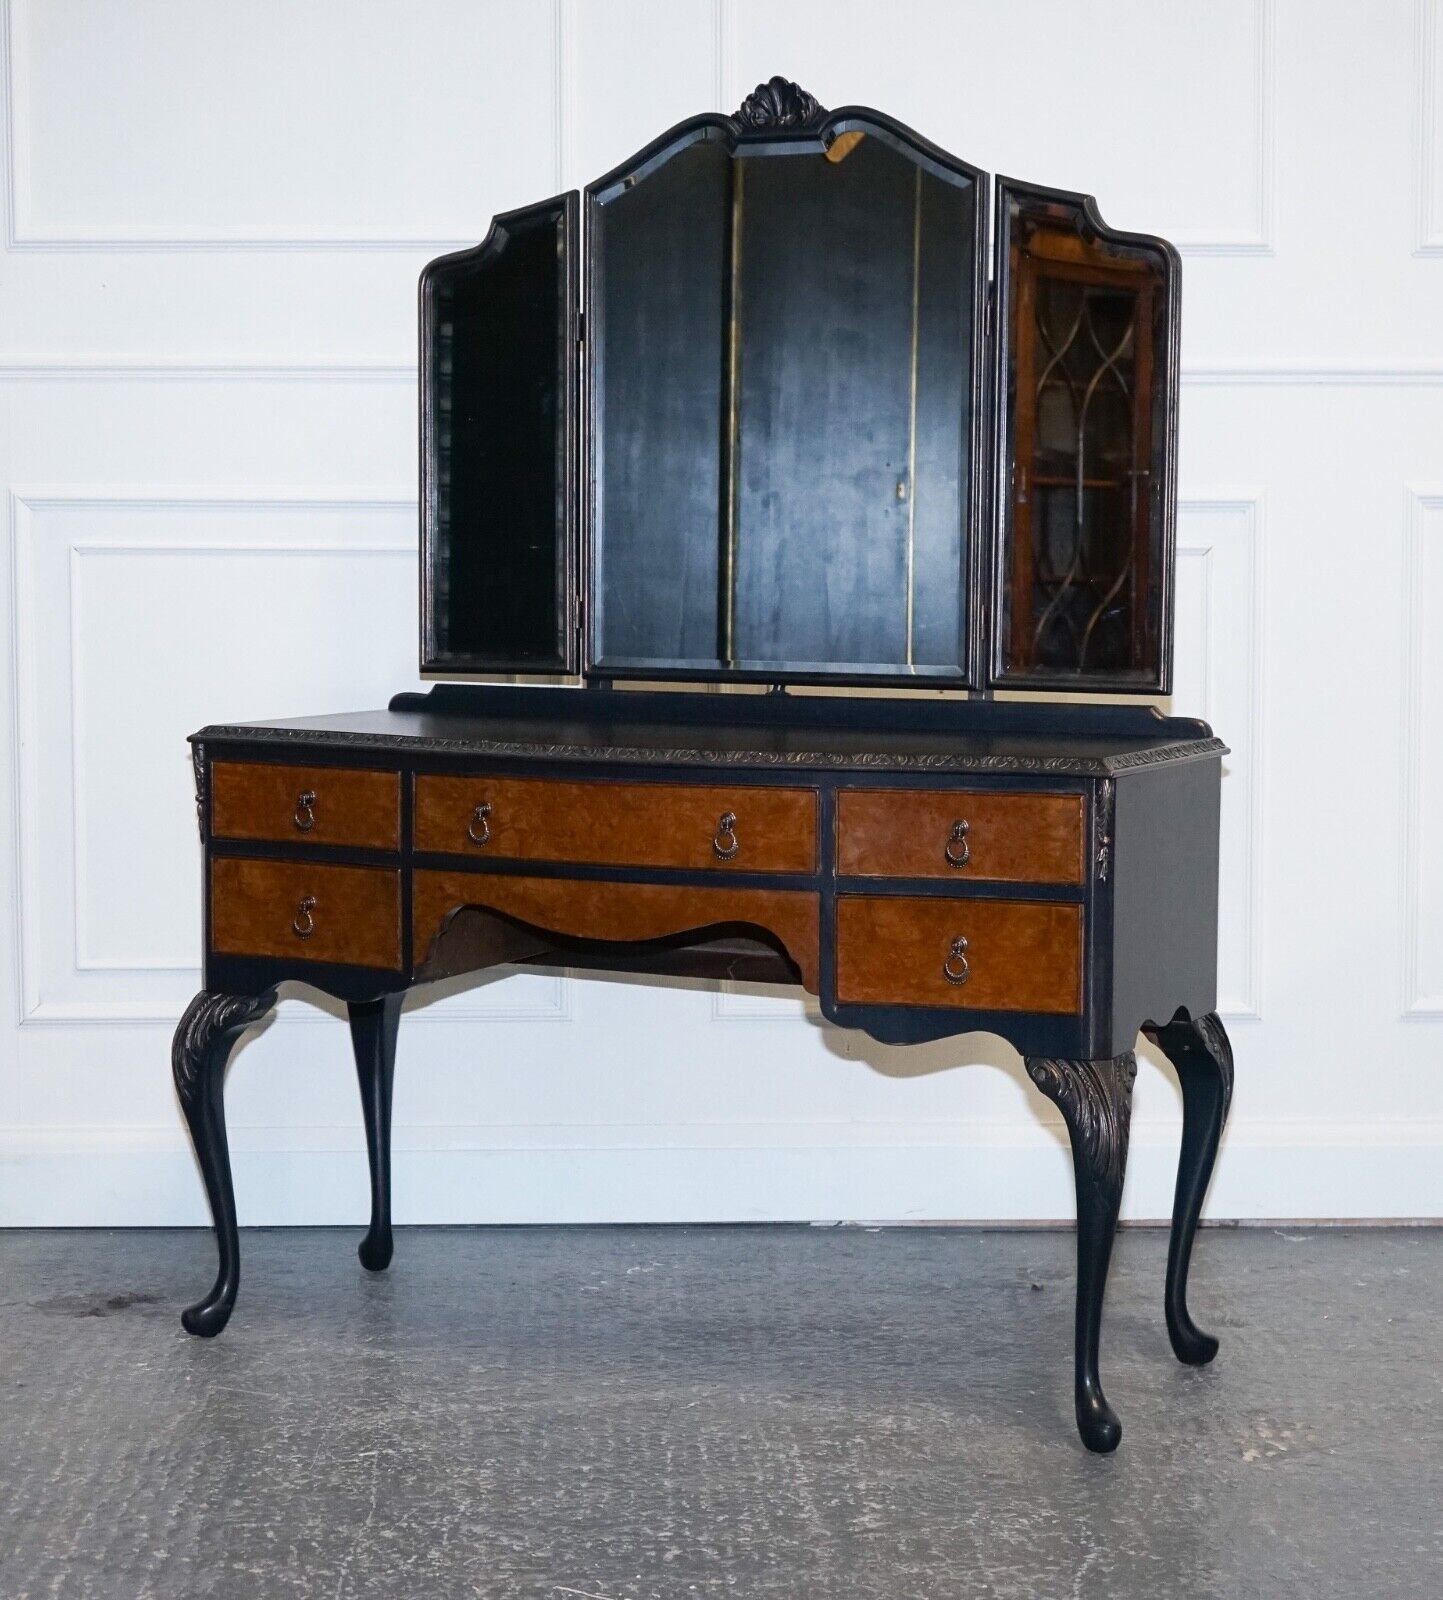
(639, 1413)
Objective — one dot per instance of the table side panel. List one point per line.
(1164, 897)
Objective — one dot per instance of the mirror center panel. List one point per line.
(784, 358)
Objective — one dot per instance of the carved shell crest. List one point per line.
(780, 103)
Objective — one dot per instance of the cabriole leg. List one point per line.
(1203, 1059)
(374, 1024)
(1095, 1098)
(203, 1042)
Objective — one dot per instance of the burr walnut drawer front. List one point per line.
(986, 955)
(314, 805)
(955, 833)
(626, 913)
(347, 915)
(619, 824)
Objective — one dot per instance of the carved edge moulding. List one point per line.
(1058, 766)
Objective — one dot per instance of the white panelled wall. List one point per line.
(214, 220)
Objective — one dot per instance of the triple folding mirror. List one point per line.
(769, 418)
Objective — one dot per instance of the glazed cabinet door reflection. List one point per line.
(1086, 377)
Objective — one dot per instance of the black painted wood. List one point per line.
(1095, 1098)
(1163, 871)
(204, 1039)
(1203, 1059)
(626, 728)
(374, 1026)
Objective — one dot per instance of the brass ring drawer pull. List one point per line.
(478, 830)
(957, 850)
(955, 969)
(725, 843)
(303, 924)
(304, 816)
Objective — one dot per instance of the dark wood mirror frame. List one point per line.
(777, 127)
(513, 530)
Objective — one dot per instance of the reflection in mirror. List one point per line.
(783, 371)
(496, 372)
(1087, 446)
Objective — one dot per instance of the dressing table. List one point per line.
(762, 411)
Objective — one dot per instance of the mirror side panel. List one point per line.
(498, 448)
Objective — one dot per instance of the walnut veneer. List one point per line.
(989, 955)
(892, 950)
(621, 912)
(314, 805)
(961, 834)
(305, 911)
(619, 824)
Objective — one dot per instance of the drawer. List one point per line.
(312, 805)
(629, 912)
(349, 915)
(619, 824)
(958, 833)
(986, 955)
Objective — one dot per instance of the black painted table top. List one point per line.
(672, 729)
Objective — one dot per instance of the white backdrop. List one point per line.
(214, 220)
